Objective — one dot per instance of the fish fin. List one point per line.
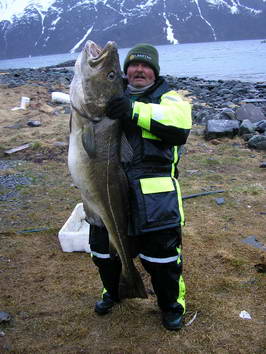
(70, 122)
(88, 141)
(126, 151)
(112, 250)
(129, 289)
(91, 217)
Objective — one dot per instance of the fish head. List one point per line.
(100, 75)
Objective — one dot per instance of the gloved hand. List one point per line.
(119, 107)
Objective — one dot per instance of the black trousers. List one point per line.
(160, 255)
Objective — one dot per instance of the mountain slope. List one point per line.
(39, 27)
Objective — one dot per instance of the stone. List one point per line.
(246, 137)
(15, 126)
(249, 111)
(219, 201)
(246, 127)
(257, 142)
(240, 90)
(192, 172)
(260, 126)
(67, 110)
(221, 128)
(228, 105)
(260, 268)
(60, 143)
(229, 113)
(45, 108)
(198, 132)
(254, 100)
(252, 241)
(4, 317)
(224, 91)
(200, 116)
(34, 123)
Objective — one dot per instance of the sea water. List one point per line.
(227, 60)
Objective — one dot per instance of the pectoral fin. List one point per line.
(126, 151)
(88, 141)
(112, 250)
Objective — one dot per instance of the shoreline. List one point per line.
(208, 97)
(69, 66)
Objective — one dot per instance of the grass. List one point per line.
(51, 294)
(36, 145)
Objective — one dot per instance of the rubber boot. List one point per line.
(103, 306)
(110, 270)
(172, 321)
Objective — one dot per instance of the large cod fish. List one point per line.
(96, 147)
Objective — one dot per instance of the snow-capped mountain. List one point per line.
(40, 27)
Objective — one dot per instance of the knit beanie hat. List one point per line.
(145, 53)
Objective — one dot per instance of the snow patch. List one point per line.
(169, 31)
(76, 47)
(148, 3)
(234, 10)
(55, 21)
(16, 8)
(234, 7)
(204, 19)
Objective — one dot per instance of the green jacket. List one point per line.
(161, 122)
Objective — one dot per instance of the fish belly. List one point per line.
(104, 191)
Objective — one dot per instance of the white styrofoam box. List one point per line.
(60, 97)
(74, 235)
(25, 101)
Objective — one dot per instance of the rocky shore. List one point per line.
(226, 101)
(227, 108)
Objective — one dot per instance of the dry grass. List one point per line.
(51, 294)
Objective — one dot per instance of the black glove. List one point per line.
(119, 107)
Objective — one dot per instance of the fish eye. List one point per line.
(111, 76)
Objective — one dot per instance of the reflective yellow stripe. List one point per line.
(148, 135)
(181, 284)
(182, 293)
(156, 185)
(143, 112)
(172, 96)
(159, 260)
(179, 255)
(172, 111)
(176, 111)
(101, 255)
(181, 211)
(175, 161)
(157, 112)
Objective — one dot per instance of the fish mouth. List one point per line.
(97, 55)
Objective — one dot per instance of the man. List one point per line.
(156, 122)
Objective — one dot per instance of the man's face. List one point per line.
(140, 74)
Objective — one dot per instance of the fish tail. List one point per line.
(131, 286)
